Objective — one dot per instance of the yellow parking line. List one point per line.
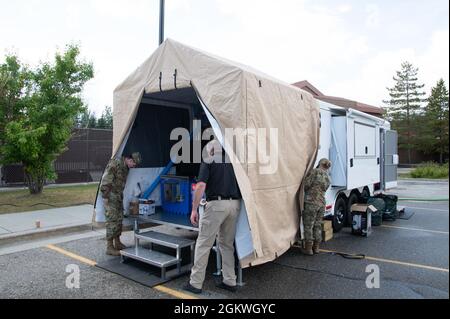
(72, 255)
(418, 229)
(396, 262)
(175, 293)
(166, 290)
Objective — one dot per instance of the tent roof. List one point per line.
(170, 44)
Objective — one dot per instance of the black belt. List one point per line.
(209, 199)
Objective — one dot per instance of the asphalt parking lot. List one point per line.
(411, 255)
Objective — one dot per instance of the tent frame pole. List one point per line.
(161, 21)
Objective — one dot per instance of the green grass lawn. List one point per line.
(428, 170)
(21, 200)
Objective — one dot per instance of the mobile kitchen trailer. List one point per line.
(179, 84)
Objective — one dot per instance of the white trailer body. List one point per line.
(363, 151)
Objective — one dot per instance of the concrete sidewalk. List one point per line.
(52, 220)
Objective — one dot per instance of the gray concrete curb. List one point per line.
(424, 180)
(60, 230)
(48, 232)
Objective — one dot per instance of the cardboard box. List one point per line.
(362, 219)
(327, 225)
(327, 235)
(363, 208)
(147, 209)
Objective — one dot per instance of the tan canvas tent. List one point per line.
(233, 96)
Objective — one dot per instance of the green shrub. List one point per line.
(430, 170)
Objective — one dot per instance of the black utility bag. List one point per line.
(389, 211)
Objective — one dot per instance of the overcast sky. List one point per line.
(345, 48)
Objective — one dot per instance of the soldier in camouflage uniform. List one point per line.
(112, 186)
(316, 185)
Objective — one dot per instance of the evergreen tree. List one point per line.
(434, 131)
(106, 120)
(83, 119)
(404, 105)
(92, 120)
(87, 119)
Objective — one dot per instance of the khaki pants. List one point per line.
(219, 218)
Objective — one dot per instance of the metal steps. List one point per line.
(151, 257)
(165, 239)
(165, 261)
(158, 259)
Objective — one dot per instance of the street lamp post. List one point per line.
(161, 21)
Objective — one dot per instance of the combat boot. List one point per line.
(308, 248)
(118, 244)
(110, 250)
(316, 247)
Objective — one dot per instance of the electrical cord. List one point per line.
(317, 271)
(346, 256)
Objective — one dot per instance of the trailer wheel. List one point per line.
(365, 195)
(353, 199)
(340, 213)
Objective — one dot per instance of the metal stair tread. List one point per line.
(152, 257)
(165, 239)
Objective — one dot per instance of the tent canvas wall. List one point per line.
(232, 96)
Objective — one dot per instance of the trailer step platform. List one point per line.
(151, 257)
(165, 239)
(160, 259)
(165, 218)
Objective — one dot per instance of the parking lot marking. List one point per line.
(175, 293)
(397, 262)
(417, 229)
(72, 255)
(166, 290)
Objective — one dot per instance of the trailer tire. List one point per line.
(365, 195)
(340, 212)
(353, 199)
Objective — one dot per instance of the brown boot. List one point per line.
(316, 247)
(308, 249)
(118, 244)
(110, 250)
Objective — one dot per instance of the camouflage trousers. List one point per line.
(312, 222)
(114, 219)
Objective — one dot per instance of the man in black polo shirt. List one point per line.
(217, 178)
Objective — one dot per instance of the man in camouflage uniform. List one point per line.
(316, 185)
(112, 186)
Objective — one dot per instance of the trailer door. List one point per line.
(390, 159)
(338, 151)
(363, 151)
